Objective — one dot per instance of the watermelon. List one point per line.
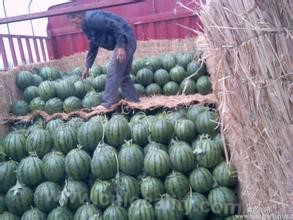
(91, 99)
(30, 92)
(162, 131)
(153, 89)
(168, 208)
(65, 139)
(47, 90)
(96, 70)
(39, 141)
(153, 63)
(157, 163)
(140, 89)
(140, 133)
(46, 196)
(168, 61)
(74, 194)
(207, 152)
(81, 88)
(181, 157)
(54, 166)
(138, 64)
(60, 213)
(207, 123)
(185, 130)
(171, 88)
(8, 216)
(178, 74)
(14, 145)
(196, 206)
(37, 104)
(225, 174)
(75, 122)
(102, 193)
(115, 212)
(117, 131)
(49, 73)
(203, 85)
(144, 77)
(219, 141)
(127, 189)
(188, 87)
(99, 83)
(201, 180)
(183, 59)
(64, 89)
(131, 159)
(18, 199)
(37, 80)
(77, 70)
(54, 124)
(152, 188)
(223, 201)
(151, 145)
(194, 111)
(24, 79)
(30, 171)
(174, 116)
(161, 77)
(71, 104)
(141, 210)
(54, 105)
(87, 212)
(7, 175)
(2, 153)
(89, 135)
(104, 164)
(19, 107)
(177, 185)
(195, 69)
(77, 164)
(2, 204)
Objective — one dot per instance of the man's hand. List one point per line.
(85, 73)
(121, 55)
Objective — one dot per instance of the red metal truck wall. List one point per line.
(151, 19)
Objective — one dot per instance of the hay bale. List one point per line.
(249, 53)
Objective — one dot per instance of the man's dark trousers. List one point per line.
(118, 75)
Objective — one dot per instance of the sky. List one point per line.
(20, 7)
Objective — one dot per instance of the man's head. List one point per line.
(76, 18)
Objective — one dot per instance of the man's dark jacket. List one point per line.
(106, 30)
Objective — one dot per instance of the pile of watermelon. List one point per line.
(50, 90)
(140, 166)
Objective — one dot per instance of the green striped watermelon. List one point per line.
(75, 122)
(161, 77)
(171, 88)
(96, 70)
(152, 144)
(162, 130)
(181, 157)
(77, 164)
(30, 171)
(24, 79)
(207, 122)
(203, 85)
(153, 63)
(127, 189)
(152, 188)
(168, 208)
(177, 185)
(2, 204)
(65, 139)
(188, 87)
(153, 89)
(225, 174)
(64, 89)
(219, 141)
(117, 131)
(201, 180)
(7, 175)
(144, 76)
(71, 104)
(157, 163)
(8, 216)
(223, 201)
(131, 159)
(87, 212)
(30, 92)
(183, 59)
(37, 104)
(49, 73)
(141, 210)
(115, 212)
(168, 61)
(89, 135)
(91, 99)
(138, 63)
(104, 164)
(140, 133)
(18, 199)
(19, 108)
(185, 130)
(194, 111)
(74, 194)
(54, 124)
(178, 74)
(196, 69)
(46, 196)
(37, 80)
(207, 152)
(54, 105)
(81, 88)
(99, 83)
(54, 166)
(47, 90)
(33, 214)
(60, 213)
(39, 141)
(196, 206)
(140, 89)
(102, 193)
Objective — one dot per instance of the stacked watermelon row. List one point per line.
(53, 91)
(165, 165)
